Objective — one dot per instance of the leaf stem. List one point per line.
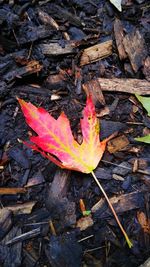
(113, 211)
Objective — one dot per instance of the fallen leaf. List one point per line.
(145, 101)
(55, 140)
(117, 4)
(144, 139)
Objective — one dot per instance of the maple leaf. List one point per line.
(55, 141)
(54, 136)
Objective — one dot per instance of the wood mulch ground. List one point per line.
(54, 53)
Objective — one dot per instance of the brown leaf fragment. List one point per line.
(117, 144)
(84, 223)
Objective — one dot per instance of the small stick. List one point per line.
(12, 191)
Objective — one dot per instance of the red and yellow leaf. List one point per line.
(55, 140)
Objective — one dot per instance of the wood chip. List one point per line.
(120, 203)
(94, 89)
(5, 221)
(47, 19)
(117, 144)
(96, 52)
(146, 69)
(135, 48)
(59, 185)
(24, 208)
(32, 67)
(143, 221)
(117, 177)
(55, 49)
(84, 223)
(130, 86)
(119, 35)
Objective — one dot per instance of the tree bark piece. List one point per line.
(60, 184)
(96, 52)
(122, 85)
(135, 48)
(33, 66)
(146, 69)
(121, 204)
(55, 49)
(118, 143)
(119, 34)
(94, 89)
(5, 221)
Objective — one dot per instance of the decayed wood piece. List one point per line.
(21, 237)
(35, 33)
(146, 69)
(121, 204)
(55, 49)
(24, 208)
(117, 144)
(55, 81)
(131, 86)
(48, 20)
(96, 52)
(93, 88)
(57, 202)
(119, 34)
(11, 255)
(33, 66)
(29, 89)
(62, 13)
(5, 221)
(59, 185)
(135, 48)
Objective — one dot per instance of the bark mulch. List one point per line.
(53, 53)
